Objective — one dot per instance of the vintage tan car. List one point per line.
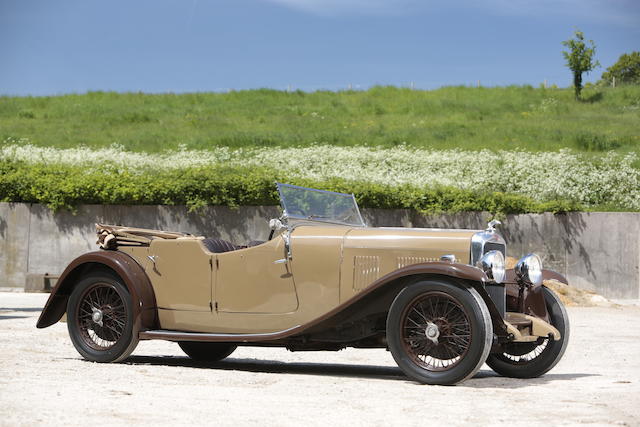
(440, 300)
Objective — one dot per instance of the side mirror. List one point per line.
(286, 236)
(275, 224)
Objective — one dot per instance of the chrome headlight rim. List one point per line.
(529, 269)
(493, 265)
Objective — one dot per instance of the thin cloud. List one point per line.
(351, 7)
(624, 12)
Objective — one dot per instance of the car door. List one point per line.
(251, 281)
(180, 271)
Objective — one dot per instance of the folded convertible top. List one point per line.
(112, 236)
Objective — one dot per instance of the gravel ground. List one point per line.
(44, 381)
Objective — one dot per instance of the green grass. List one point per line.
(451, 117)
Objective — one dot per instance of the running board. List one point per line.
(163, 334)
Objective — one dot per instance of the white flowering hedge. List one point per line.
(610, 180)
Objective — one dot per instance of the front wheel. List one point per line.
(100, 319)
(439, 333)
(531, 360)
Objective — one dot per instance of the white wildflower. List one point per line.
(611, 179)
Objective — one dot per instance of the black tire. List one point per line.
(534, 360)
(462, 324)
(207, 351)
(114, 335)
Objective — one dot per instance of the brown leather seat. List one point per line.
(218, 245)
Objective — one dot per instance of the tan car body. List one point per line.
(246, 291)
(439, 300)
(261, 294)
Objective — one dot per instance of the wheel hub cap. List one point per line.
(97, 316)
(432, 332)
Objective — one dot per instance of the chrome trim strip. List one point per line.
(449, 230)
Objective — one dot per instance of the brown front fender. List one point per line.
(379, 295)
(533, 297)
(442, 268)
(124, 266)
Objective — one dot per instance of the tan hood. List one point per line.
(425, 242)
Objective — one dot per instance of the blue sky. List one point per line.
(55, 47)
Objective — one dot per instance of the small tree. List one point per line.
(579, 59)
(625, 71)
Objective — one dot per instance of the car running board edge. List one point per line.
(162, 334)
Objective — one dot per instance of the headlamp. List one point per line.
(492, 263)
(529, 269)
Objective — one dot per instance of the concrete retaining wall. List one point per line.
(596, 251)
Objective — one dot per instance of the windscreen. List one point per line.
(319, 205)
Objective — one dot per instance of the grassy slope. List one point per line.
(467, 118)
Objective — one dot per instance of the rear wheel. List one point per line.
(100, 319)
(524, 360)
(206, 351)
(439, 333)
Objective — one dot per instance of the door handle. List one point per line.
(280, 261)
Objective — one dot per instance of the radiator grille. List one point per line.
(491, 246)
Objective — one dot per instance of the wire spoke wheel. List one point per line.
(436, 331)
(517, 358)
(530, 360)
(101, 316)
(101, 320)
(439, 332)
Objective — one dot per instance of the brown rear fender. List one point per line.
(114, 262)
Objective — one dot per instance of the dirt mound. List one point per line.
(569, 295)
(577, 297)
(510, 262)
